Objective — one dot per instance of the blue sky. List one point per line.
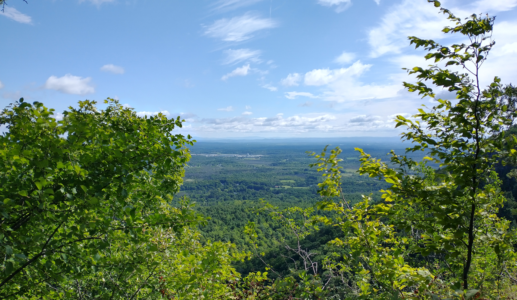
(237, 68)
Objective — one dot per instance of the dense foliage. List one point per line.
(86, 200)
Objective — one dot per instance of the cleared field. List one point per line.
(287, 181)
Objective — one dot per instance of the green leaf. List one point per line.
(389, 180)
(93, 200)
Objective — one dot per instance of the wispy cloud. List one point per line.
(1, 85)
(345, 58)
(229, 108)
(238, 29)
(247, 113)
(344, 84)
(504, 54)
(365, 118)
(235, 56)
(278, 123)
(291, 80)
(371, 122)
(305, 104)
(113, 69)
(294, 95)
(270, 87)
(70, 84)
(419, 18)
(242, 71)
(227, 5)
(340, 5)
(409, 18)
(494, 5)
(377, 1)
(13, 14)
(320, 77)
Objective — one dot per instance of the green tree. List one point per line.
(169, 264)
(71, 190)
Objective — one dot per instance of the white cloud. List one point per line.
(97, 2)
(291, 80)
(341, 5)
(409, 18)
(410, 61)
(353, 90)
(345, 58)
(506, 40)
(240, 55)
(510, 48)
(70, 84)
(247, 113)
(58, 116)
(419, 18)
(14, 14)
(320, 77)
(112, 69)
(238, 29)
(293, 95)
(242, 71)
(248, 107)
(377, 122)
(227, 5)
(405, 115)
(270, 87)
(344, 85)
(371, 122)
(229, 108)
(365, 118)
(152, 113)
(483, 6)
(503, 54)
(278, 123)
(377, 1)
(1, 85)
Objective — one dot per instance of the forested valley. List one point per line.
(230, 190)
(107, 204)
